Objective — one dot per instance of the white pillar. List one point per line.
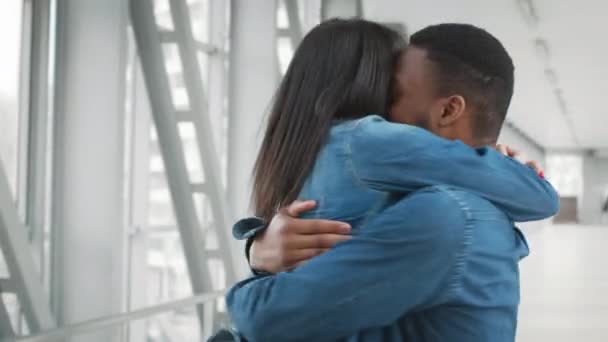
(513, 137)
(138, 163)
(88, 226)
(253, 80)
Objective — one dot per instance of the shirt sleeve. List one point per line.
(395, 157)
(406, 258)
(248, 228)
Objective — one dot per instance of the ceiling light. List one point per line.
(542, 49)
(528, 11)
(551, 76)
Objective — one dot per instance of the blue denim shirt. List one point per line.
(438, 264)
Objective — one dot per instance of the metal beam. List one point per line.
(6, 328)
(27, 27)
(311, 14)
(17, 254)
(208, 153)
(167, 36)
(341, 9)
(39, 135)
(7, 285)
(295, 24)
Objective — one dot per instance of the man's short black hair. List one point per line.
(473, 63)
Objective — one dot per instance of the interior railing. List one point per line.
(209, 300)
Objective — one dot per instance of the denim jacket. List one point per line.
(434, 252)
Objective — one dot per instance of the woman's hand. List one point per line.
(288, 241)
(509, 152)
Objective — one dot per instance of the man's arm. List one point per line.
(401, 158)
(404, 259)
(289, 241)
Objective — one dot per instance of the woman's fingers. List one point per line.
(297, 208)
(304, 255)
(316, 241)
(502, 149)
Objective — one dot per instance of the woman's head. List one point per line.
(343, 69)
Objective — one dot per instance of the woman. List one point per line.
(322, 142)
(342, 70)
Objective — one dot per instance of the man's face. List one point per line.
(415, 93)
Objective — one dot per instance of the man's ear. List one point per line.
(452, 109)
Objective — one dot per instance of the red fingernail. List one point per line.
(541, 174)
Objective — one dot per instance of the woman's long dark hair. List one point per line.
(343, 69)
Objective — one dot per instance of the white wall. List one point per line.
(513, 138)
(595, 185)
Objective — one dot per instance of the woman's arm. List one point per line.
(287, 241)
(395, 157)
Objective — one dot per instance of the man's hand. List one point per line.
(508, 151)
(289, 241)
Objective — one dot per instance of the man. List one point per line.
(439, 264)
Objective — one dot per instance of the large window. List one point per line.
(285, 43)
(158, 263)
(13, 130)
(10, 41)
(294, 19)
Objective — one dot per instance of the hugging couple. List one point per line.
(384, 208)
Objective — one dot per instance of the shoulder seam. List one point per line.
(455, 280)
(349, 154)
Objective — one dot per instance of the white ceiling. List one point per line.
(577, 52)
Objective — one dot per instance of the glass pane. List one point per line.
(199, 16)
(162, 12)
(10, 40)
(285, 52)
(203, 62)
(175, 72)
(13, 309)
(157, 257)
(180, 324)
(223, 148)
(176, 326)
(282, 18)
(566, 174)
(191, 152)
(167, 275)
(160, 205)
(4, 273)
